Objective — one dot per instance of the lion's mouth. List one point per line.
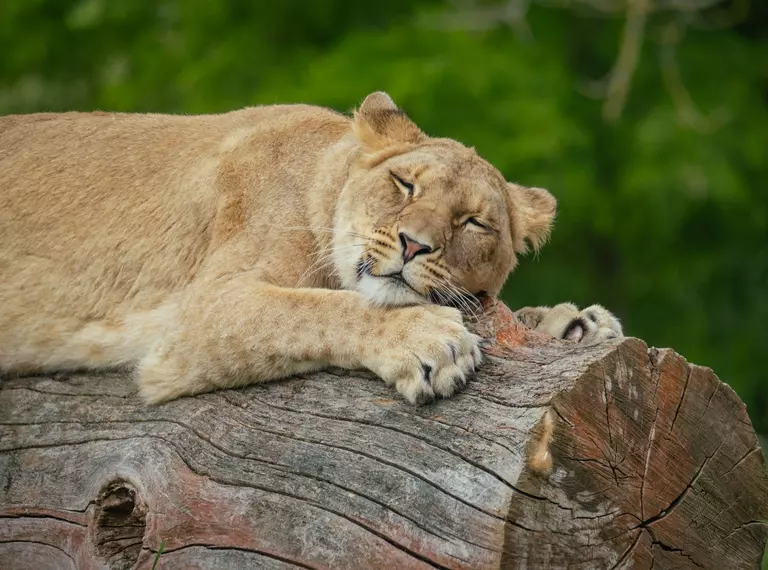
(466, 302)
(398, 279)
(364, 269)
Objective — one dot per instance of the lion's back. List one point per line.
(108, 213)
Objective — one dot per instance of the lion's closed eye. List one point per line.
(407, 187)
(476, 223)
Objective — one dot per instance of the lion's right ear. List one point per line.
(378, 124)
(532, 211)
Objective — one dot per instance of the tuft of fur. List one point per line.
(540, 459)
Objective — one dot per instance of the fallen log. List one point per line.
(611, 456)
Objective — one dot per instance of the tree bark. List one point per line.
(556, 456)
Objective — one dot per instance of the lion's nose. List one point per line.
(412, 248)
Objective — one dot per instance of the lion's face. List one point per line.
(428, 220)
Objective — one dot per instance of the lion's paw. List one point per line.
(565, 321)
(426, 352)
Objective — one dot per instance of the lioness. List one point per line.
(215, 251)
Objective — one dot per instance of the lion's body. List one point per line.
(105, 216)
(198, 248)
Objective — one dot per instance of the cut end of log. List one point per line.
(654, 459)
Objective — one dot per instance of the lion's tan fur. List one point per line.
(213, 251)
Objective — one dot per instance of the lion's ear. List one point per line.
(378, 123)
(532, 213)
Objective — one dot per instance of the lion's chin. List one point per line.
(388, 292)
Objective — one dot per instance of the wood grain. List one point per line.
(654, 465)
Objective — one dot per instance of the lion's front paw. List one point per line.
(425, 352)
(565, 321)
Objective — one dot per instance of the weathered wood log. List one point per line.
(612, 456)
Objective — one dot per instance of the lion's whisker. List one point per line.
(325, 259)
(326, 230)
(458, 295)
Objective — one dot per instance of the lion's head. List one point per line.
(424, 219)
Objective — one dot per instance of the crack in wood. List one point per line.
(743, 458)
(354, 521)
(607, 398)
(654, 372)
(263, 553)
(742, 527)
(432, 443)
(651, 435)
(64, 394)
(307, 475)
(342, 448)
(560, 415)
(625, 555)
(689, 369)
(39, 543)
(7, 513)
(656, 542)
(677, 500)
(698, 422)
(59, 445)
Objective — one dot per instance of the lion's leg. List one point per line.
(233, 333)
(565, 321)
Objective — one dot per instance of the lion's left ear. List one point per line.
(378, 123)
(532, 211)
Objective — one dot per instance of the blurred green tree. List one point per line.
(663, 208)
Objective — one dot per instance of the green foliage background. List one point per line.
(664, 221)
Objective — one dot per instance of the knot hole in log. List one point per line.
(119, 525)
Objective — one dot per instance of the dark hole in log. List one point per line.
(119, 524)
